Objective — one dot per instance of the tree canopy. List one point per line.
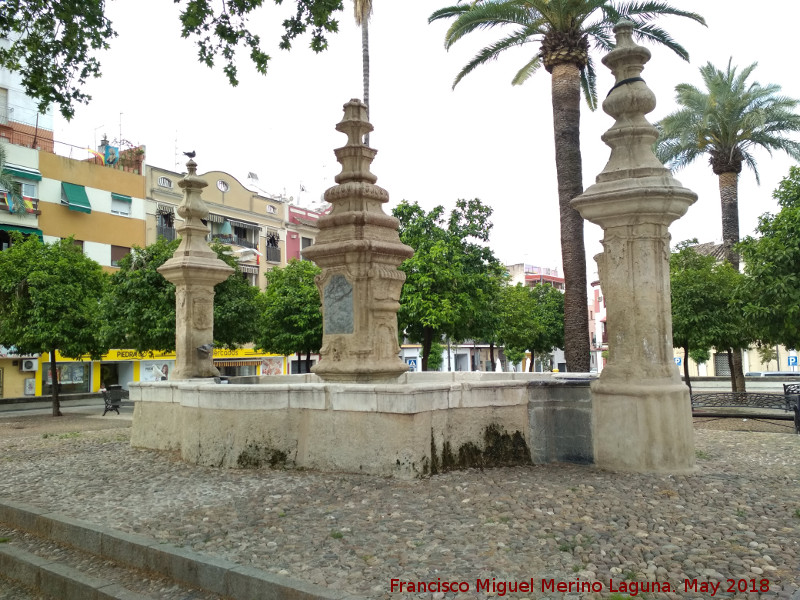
(453, 279)
(49, 300)
(706, 309)
(139, 309)
(531, 318)
(291, 320)
(772, 263)
(54, 44)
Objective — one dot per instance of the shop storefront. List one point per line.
(121, 367)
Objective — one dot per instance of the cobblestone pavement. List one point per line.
(735, 523)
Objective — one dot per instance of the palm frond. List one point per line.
(362, 10)
(490, 53)
(654, 33)
(527, 70)
(648, 11)
(487, 16)
(589, 84)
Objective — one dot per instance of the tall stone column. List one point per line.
(358, 249)
(642, 419)
(195, 270)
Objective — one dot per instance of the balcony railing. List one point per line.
(273, 254)
(167, 233)
(234, 240)
(31, 205)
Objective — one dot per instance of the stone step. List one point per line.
(100, 560)
(42, 568)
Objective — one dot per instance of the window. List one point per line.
(304, 243)
(165, 220)
(28, 190)
(165, 182)
(117, 254)
(78, 243)
(223, 186)
(270, 209)
(3, 105)
(120, 205)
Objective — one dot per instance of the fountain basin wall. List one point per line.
(423, 424)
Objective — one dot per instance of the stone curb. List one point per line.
(56, 580)
(211, 574)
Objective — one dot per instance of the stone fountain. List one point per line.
(359, 411)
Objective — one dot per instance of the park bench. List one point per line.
(113, 397)
(714, 404)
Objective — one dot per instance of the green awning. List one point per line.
(75, 197)
(120, 197)
(25, 230)
(23, 172)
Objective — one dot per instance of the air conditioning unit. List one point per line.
(28, 364)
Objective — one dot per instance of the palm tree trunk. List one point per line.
(566, 98)
(729, 196)
(365, 67)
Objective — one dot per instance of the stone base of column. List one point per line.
(643, 428)
(367, 371)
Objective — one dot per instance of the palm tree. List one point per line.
(363, 11)
(726, 121)
(563, 30)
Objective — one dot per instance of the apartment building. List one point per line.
(250, 222)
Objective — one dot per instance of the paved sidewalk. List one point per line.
(738, 519)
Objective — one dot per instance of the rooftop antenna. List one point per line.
(120, 128)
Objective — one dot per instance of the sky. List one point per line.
(484, 139)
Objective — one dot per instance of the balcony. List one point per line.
(233, 240)
(31, 205)
(168, 233)
(273, 254)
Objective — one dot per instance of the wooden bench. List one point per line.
(787, 402)
(113, 397)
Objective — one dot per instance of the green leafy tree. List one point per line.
(139, 308)
(291, 320)
(706, 311)
(563, 31)
(452, 279)
(531, 319)
(50, 300)
(772, 263)
(726, 121)
(435, 359)
(53, 44)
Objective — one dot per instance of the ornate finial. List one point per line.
(627, 59)
(355, 157)
(191, 166)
